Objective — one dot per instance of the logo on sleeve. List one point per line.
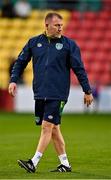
(50, 117)
(59, 46)
(39, 45)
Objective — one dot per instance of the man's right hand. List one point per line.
(12, 89)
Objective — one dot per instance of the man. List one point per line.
(53, 55)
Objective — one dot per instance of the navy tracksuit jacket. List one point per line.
(52, 61)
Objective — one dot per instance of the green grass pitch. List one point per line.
(88, 144)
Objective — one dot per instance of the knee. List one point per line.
(54, 132)
(46, 127)
(57, 136)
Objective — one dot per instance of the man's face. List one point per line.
(54, 27)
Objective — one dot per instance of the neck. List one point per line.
(52, 36)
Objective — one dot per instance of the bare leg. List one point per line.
(46, 134)
(45, 137)
(59, 145)
(58, 140)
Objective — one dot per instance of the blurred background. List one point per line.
(88, 22)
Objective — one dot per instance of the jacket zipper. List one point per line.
(47, 60)
(48, 51)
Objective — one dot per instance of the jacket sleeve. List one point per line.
(78, 67)
(20, 64)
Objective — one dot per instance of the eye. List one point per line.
(58, 25)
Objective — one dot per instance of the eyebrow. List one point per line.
(58, 24)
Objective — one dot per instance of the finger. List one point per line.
(89, 103)
(84, 100)
(9, 90)
(12, 91)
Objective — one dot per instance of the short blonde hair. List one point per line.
(51, 15)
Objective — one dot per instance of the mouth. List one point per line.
(59, 31)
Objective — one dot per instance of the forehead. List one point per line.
(56, 20)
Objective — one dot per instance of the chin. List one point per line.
(58, 35)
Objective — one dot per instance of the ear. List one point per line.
(46, 26)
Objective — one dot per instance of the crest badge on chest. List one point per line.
(59, 46)
(39, 45)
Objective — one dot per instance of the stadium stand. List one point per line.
(92, 32)
(90, 29)
(89, 26)
(14, 34)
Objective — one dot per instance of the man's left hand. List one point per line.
(88, 99)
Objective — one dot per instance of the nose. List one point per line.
(60, 28)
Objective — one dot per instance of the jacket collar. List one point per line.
(52, 39)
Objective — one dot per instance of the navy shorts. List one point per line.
(48, 110)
